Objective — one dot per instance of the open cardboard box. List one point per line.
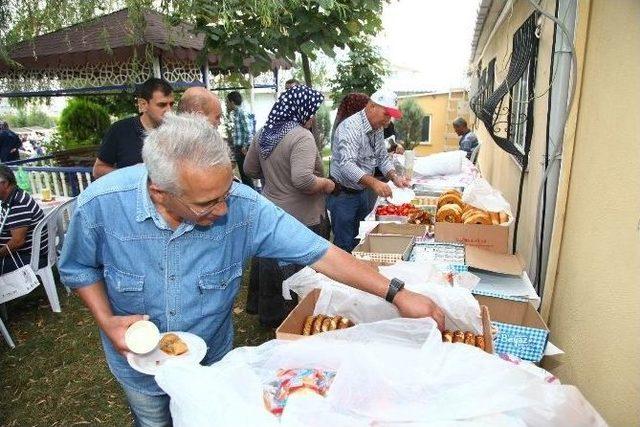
(389, 228)
(521, 330)
(291, 327)
(384, 249)
(491, 237)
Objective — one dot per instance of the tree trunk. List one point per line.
(306, 69)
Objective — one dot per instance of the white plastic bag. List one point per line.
(481, 195)
(384, 376)
(447, 163)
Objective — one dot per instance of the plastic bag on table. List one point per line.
(481, 195)
(447, 163)
(433, 383)
(22, 179)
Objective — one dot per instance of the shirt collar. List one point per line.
(144, 206)
(366, 126)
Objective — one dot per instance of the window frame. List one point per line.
(427, 141)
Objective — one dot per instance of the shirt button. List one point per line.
(172, 312)
(172, 277)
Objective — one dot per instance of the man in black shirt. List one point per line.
(22, 216)
(9, 144)
(122, 144)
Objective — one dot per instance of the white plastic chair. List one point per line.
(46, 273)
(65, 212)
(6, 335)
(474, 154)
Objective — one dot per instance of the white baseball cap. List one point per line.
(389, 101)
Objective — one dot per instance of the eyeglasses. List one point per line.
(209, 207)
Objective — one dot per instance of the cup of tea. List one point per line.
(46, 194)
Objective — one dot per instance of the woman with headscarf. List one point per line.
(284, 154)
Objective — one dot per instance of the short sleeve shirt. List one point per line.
(122, 144)
(23, 212)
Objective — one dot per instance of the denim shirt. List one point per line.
(184, 279)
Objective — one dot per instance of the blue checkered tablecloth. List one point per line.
(522, 341)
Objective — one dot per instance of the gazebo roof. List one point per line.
(110, 38)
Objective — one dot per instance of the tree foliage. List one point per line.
(119, 105)
(323, 122)
(82, 122)
(242, 33)
(31, 117)
(409, 127)
(363, 71)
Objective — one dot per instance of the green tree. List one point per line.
(363, 71)
(323, 122)
(409, 127)
(82, 122)
(244, 34)
(119, 105)
(32, 117)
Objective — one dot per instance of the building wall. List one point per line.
(498, 167)
(436, 106)
(594, 311)
(595, 308)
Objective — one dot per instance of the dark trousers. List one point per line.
(347, 210)
(264, 296)
(239, 155)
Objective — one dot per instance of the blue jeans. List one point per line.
(347, 210)
(147, 410)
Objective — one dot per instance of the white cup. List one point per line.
(142, 336)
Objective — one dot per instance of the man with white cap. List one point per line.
(357, 149)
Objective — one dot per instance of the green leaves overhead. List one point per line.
(243, 33)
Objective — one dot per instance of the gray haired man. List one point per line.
(169, 239)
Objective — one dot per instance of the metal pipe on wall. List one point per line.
(559, 98)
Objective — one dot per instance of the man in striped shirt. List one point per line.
(357, 149)
(22, 215)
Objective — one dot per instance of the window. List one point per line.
(425, 131)
(519, 119)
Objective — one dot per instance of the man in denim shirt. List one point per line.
(168, 239)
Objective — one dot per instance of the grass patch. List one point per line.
(57, 374)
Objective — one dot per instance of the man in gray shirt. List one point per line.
(468, 140)
(357, 149)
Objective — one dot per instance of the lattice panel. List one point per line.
(78, 77)
(187, 72)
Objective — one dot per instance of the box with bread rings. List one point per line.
(302, 323)
(483, 219)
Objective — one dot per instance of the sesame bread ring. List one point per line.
(448, 199)
(495, 218)
(449, 213)
(479, 218)
(504, 217)
(306, 330)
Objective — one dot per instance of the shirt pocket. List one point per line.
(125, 291)
(218, 289)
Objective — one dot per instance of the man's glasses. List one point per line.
(200, 213)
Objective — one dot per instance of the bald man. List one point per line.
(203, 101)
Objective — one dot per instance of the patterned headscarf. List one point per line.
(294, 108)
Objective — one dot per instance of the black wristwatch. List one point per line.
(395, 286)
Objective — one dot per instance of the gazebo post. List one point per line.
(157, 72)
(205, 75)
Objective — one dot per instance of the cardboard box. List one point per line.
(384, 249)
(291, 327)
(417, 230)
(491, 237)
(521, 330)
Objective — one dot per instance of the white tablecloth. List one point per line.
(50, 205)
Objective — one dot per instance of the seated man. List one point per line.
(23, 214)
(169, 239)
(468, 140)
